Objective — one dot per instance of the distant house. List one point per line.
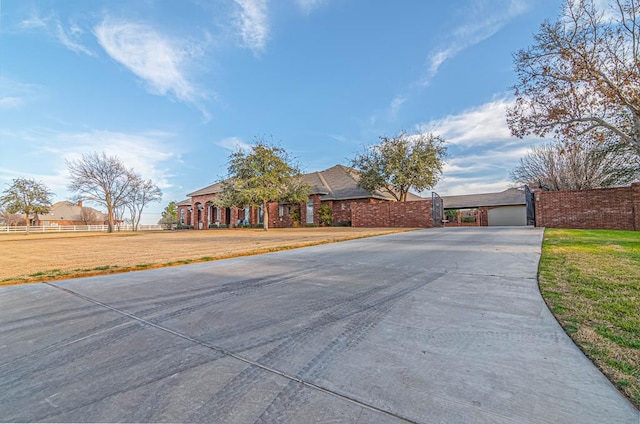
(506, 208)
(69, 213)
(336, 187)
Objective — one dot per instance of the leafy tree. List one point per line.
(169, 215)
(581, 75)
(141, 193)
(26, 196)
(101, 179)
(262, 175)
(400, 163)
(578, 166)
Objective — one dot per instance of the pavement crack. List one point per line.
(238, 357)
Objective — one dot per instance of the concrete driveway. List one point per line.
(431, 326)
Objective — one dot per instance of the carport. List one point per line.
(505, 208)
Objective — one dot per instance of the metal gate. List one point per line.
(531, 209)
(437, 210)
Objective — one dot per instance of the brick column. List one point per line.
(635, 195)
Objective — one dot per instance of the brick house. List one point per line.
(69, 213)
(336, 187)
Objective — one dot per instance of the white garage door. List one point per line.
(508, 215)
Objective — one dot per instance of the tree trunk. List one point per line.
(110, 218)
(26, 220)
(265, 215)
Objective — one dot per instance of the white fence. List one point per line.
(83, 228)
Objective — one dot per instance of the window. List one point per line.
(310, 212)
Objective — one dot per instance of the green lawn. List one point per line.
(590, 280)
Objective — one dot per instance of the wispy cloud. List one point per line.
(159, 61)
(15, 94)
(150, 153)
(308, 6)
(34, 21)
(69, 39)
(253, 24)
(477, 126)
(233, 144)
(395, 105)
(481, 147)
(10, 102)
(484, 19)
(144, 152)
(67, 35)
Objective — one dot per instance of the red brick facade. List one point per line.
(605, 208)
(392, 214)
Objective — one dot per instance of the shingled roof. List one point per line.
(509, 197)
(341, 183)
(336, 183)
(212, 189)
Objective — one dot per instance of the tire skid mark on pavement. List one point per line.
(292, 398)
(228, 289)
(364, 312)
(371, 305)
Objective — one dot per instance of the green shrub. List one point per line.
(325, 215)
(295, 216)
(342, 224)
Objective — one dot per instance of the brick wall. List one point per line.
(392, 214)
(605, 208)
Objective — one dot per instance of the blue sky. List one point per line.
(173, 87)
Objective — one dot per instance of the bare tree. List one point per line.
(101, 179)
(26, 196)
(577, 166)
(582, 75)
(141, 194)
(89, 216)
(11, 219)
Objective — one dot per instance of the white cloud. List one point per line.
(252, 22)
(15, 94)
(69, 39)
(395, 105)
(309, 6)
(10, 102)
(149, 153)
(34, 21)
(159, 61)
(480, 125)
(457, 186)
(233, 144)
(482, 150)
(482, 21)
(144, 152)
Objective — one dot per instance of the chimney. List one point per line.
(80, 203)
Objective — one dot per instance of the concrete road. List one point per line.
(432, 326)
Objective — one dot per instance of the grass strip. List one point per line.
(590, 279)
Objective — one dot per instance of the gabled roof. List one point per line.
(341, 183)
(212, 189)
(509, 197)
(336, 183)
(185, 202)
(68, 211)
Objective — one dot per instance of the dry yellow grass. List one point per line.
(47, 256)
